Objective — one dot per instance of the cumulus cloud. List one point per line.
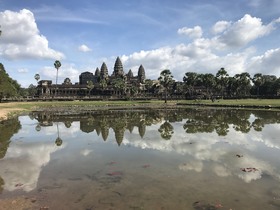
(154, 60)
(229, 47)
(66, 70)
(220, 26)
(21, 38)
(211, 150)
(23, 164)
(194, 33)
(84, 48)
(268, 63)
(245, 30)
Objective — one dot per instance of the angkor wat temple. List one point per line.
(96, 85)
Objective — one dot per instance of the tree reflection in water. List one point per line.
(208, 153)
(194, 121)
(7, 130)
(166, 130)
(58, 140)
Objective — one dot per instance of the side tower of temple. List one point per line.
(104, 71)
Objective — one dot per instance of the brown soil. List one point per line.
(7, 108)
(18, 203)
(4, 112)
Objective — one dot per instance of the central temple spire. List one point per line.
(118, 68)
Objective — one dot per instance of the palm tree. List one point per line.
(165, 80)
(57, 65)
(58, 140)
(37, 77)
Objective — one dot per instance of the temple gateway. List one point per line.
(99, 84)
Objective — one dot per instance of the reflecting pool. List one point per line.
(142, 159)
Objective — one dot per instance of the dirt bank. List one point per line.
(4, 112)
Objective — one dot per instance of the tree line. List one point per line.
(222, 85)
(193, 86)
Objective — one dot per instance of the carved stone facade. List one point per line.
(45, 88)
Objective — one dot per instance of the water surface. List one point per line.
(137, 159)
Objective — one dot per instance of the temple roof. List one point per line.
(118, 68)
(141, 74)
(97, 72)
(130, 74)
(104, 70)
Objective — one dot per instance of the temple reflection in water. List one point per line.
(198, 121)
(206, 154)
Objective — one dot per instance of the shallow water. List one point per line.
(172, 159)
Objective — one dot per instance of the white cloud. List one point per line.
(154, 61)
(85, 152)
(208, 55)
(22, 165)
(66, 70)
(210, 149)
(194, 33)
(84, 48)
(220, 26)
(244, 31)
(22, 70)
(268, 63)
(21, 38)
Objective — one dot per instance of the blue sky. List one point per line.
(181, 35)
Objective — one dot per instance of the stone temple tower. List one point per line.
(118, 68)
(104, 71)
(141, 74)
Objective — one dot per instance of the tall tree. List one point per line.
(90, 86)
(31, 90)
(222, 79)
(243, 83)
(148, 85)
(103, 85)
(119, 84)
(232, 86)
(8, 86)
(58, 140)
(190, 79)
(258, 82)
(57, 65)
(209, 82)
(166, 130)
(165, 79)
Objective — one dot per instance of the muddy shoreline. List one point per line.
(10, 110)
